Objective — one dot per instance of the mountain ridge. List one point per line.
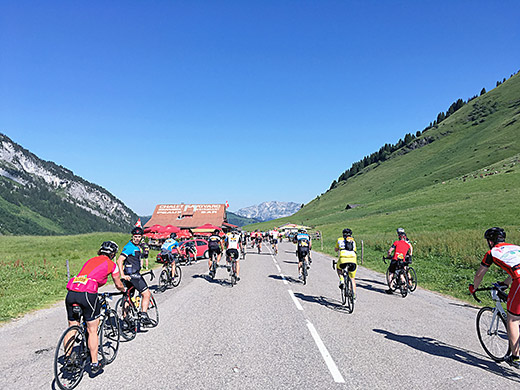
(41, 197)
(267, 211)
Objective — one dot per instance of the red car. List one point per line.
(200, 244)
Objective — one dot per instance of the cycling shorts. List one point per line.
(168, 256)
(302, 252)
(395, 263)
(275, 241)
(513, 298)
(214, 250)
(350, 263)
(136, 281)
(232, 253)
(88, 302)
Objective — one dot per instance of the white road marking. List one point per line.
(283, 278)
(298, 306)
(338, 378)
(278, 268)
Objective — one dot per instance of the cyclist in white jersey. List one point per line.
(233, 246)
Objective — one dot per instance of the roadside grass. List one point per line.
(33, 270)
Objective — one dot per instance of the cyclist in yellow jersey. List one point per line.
(346, 246)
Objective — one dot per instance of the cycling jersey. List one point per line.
(132, 262)
(346, 247)
(303, 241)
(214, 241)
(93, 275)
(401, 249)
(169, 245)
(507, 257)
(232, 241)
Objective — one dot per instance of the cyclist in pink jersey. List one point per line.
(507, 257)
(83, 290)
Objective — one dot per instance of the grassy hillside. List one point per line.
(444, 194)
(238, 220)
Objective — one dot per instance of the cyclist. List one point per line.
(275, 235)
(129, 262)
(258, 240)
(402, 254)
(170, 250)
(233, 245)
(303, 249)
(346, 246)
(214, 246)
(83, 289)
(507, 257)
(145, 251)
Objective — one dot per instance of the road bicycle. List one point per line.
(259, 246)
(214, 265)
(404, 279)
(274, 247)
(243, 251)
(72, 353)
(128, 310)
(189, 254)
(304, 268)
(347, 288)
(166, 279)
(491, 324)
(232, 267)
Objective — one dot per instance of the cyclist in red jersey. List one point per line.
(83, 290)
(507, 257)
(402, 252)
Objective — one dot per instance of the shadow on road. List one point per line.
(368, 286)
(290, 262)
(288, 278)
(438, 348)
(222, 282)
(328, 303)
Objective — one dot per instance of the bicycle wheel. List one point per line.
(304, 272)
(70, 358)
(153, 312)
(127, 318)
(412, 279)
(492, 333)
(350, 294)
(403, 286)
(109, 336)
(344, 293)
(163, 280)
(213, 272)
(177, 277)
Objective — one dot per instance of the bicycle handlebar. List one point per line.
(496, 286)
(152, 275)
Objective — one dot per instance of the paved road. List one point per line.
(272, 332)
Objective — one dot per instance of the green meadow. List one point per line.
(33, 269)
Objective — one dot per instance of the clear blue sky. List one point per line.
(208, 101)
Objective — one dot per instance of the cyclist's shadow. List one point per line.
(333, 305)
(439, 348)
(222, 282)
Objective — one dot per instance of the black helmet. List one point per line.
(495, 234)
(216, 231)
(137, 230)
(108, 248)
(347, 232)
(173, 235)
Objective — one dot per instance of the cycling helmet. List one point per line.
(137, 230)
(173, 235)
(495, 234)
(400, 232)
(347, 232)
(108, 248)
(216, 231)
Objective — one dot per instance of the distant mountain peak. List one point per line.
(266, 211)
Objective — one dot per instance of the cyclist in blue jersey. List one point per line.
(303, 249)
(129, 263)
(170, 249)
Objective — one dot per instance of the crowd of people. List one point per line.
(83, 288)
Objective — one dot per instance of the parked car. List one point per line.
(200, 244)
